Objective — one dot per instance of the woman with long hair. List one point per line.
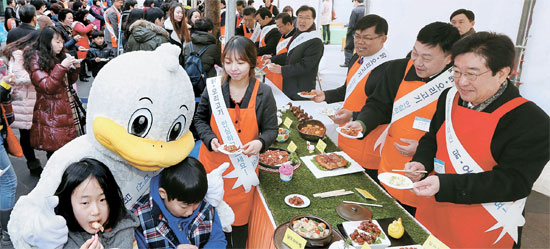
(135, 14)
(23, 98)
(176, 25)
(251, 113)
(56, 116)
(192, 16)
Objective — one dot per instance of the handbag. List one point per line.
(13, 147)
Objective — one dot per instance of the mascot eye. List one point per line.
(177, 129)
(140, 122)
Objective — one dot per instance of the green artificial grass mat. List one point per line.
(304, 182)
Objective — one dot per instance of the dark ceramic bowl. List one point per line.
(320, 242)
(311, 137)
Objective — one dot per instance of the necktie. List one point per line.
(361, 61)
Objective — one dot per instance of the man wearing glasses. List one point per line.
(405, 99)
(486, 145)
(299, 66)
(365, 71)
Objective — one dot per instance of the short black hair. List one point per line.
(359, 1)
(55, 8)
(128, 4)
(241, 3)
(263, 12)
(96, 34)
(439, 33)
(154, 13)
(80, 14)
(497, 49)
(306, 8)
(74, 175)
(26, 13)
(185, 181)
(468, 13)
(8, 2)
(63, 14)
(373, 20)
(284, 17)
(76, 6)
(203, 24)
(22, 2)
(37, 4)
(148, 3)
(250, 2)
(249, 11)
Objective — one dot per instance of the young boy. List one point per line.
(175, 213)
(99, 54)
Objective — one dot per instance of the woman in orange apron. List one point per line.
(252, 110)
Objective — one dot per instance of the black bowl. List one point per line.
(320, 242)
(310, 137)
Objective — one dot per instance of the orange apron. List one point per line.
(246, 33)
(247, 127)
(276, 78)
(403, 128)
(460, 225)
(361, 150)
(239, 20)
(114, 39)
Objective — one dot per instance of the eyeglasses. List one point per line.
(469, 76)
(365, 38)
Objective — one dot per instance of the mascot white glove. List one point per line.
(43, 228)
(214, 195)
(227, 217)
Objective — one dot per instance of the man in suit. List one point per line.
(27, 15)
(299, 66)
(357, 13)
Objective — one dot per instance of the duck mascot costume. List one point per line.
(139, 112)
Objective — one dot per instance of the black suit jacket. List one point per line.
(19, 32)
(300, 67)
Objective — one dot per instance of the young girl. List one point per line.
(89, 194)
(252, 111)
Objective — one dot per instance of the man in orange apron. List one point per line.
(112, 26)
(406, 99)
(286, 28)
(484, 154)
(365, 72)
(248, 27)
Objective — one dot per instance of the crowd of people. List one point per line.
(446, 113)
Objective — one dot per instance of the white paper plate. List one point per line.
(279, 121)
(222, 150)
(326, 111)
(409, 246)
(350, 226)
(306, 96)
(305, 199)
(387, 176)
(339, 130)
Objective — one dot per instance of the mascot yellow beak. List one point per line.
(143, 153)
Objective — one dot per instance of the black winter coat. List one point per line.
(96, 51)
(211, 56)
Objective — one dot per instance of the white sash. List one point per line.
(304, 37)
(266, 30)
(282, 44)
(416, 100)
(244, 166)
(256, 33)
(507, 214)
(369, 63)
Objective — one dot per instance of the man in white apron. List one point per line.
(485, 148)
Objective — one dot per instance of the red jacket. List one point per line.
(52, 123)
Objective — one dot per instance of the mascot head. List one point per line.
(140, 108)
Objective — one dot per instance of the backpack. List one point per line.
(193, 67)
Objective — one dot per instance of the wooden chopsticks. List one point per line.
(333, 193)
(409, 171)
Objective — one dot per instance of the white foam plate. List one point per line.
(279, 121)
(386, 179)
(306, 96)
(306, 201)
(350, 226)
(339, 130)
(222, 150)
